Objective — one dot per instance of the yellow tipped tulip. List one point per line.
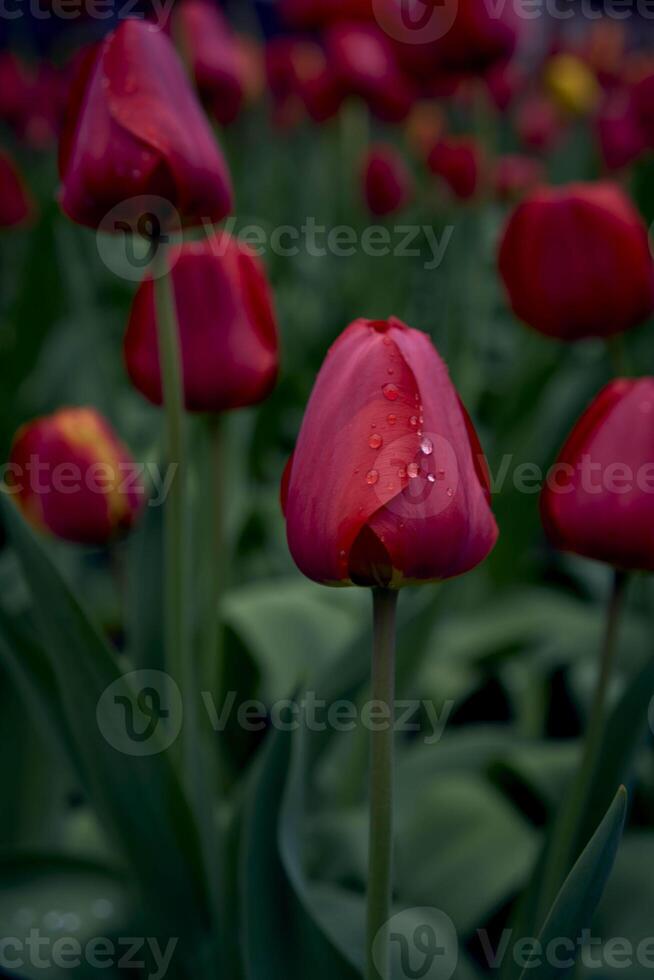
(572, 84)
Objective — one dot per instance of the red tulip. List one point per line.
(459, 163)
(314, 81)
(386, 180)
(135, 128)
(14, 88)
(16, 205)
(73, 477)
(538, 124)
(227, 328)
(387, 484)
(599, 498)
(504, 80)
(211, 52)
(620, 134)
(517, 175)
(364, 63)
(576, 262)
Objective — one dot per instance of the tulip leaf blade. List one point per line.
(580, 894)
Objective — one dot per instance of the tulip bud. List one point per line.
(74, 478)
(620, 134)
(576, 262)
(135, 128)
(387, 485)
(458, 162)
(212, 54)
(517, 175)
(16, 205)
(538, 123)
(599, 498)
(386, 181)
(572, 84)
(227, 328)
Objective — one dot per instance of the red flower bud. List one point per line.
(576, 262)
(538, 123)
(386, 180)
(213, 57)
(16, 205)
(620, 134)
(73, 477)
(227, 328)
(364, 63)
(517, 175)
(387, 485)
(135, 128)
(599, 498)
(457, 162)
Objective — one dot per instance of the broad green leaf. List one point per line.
(138, 798)
(582, 890)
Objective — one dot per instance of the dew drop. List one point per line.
(413, 421)
(402, 472)
(390, 392)
(375, 441)
(426, 447)
(413, 470)
(450, 492)
(372, 477)
(431, 478)
(392, 419)
(390, 371)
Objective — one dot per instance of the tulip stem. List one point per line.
(565, 841)
(178, 662)
(380, 866)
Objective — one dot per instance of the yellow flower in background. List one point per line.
(572, 84)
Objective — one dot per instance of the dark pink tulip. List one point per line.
(387, 483)
(458, 162)
(599, 498)
(135, 128)
(387, 183)
(227, 328)
(210, 49)
(517, 175)
(619, 130)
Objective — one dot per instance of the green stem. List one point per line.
(380, 867)
(179, 663)
(565, 841)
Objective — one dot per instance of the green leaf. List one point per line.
(138, 798)
(582, 890)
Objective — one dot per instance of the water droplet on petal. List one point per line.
(392, 419)
(391, 392)
(402, 472)
(372, 477)
(375, 441)
(427, 447)
(431, 478)
(450, 492)
(413, 421)
(413, 470)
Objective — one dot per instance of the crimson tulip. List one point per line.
(538, 123)
(457, 161)
(14, 88)
(576, 262)
(227, 328)
(212, 54)
(386, 181)
(16, 204)
(74, 478)
(599, 498)
(619, 130)
(364, 63)
(135, 128)
(517, 175)
(387, 485)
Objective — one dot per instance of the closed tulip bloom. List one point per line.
(386, 181)
(73, 477)
(576, 262)
(364, 63)
(458, 162)
(227, 328)
(572, 84)
(135, 128)
(212, 54)
(538, 124)
(16, 205)
(598, 500)
(517, 175)
(387, 485)
(619, 131)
